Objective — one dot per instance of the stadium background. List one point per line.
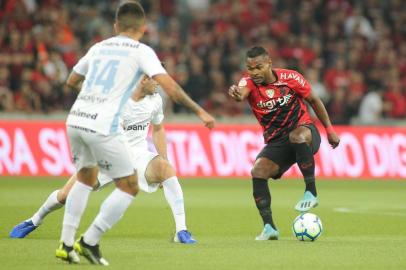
(352, 52)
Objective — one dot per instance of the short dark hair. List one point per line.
(130, 15)
(256, 51)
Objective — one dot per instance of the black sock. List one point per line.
(262, 198)
(311, 186)
(305, 160)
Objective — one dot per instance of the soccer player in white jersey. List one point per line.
(106, 77)
(153, 169)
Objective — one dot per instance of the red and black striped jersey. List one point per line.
(279, 106)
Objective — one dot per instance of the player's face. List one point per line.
(149, 86)
(258, 68)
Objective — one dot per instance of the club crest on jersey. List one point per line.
(270, 93)
(242, 82)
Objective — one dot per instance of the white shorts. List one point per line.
(110, 153)
(142, 157)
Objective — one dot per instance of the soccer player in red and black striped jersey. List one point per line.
(276, 97)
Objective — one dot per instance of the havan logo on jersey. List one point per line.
(137, 127)
(294, 76)
(273, 104)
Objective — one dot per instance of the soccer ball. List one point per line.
(307, 227)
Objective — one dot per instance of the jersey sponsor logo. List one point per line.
(83, 129)
(136, 127)
(110, 43)
(131, 45)
(124, 44)
(273, 104)
(79, 113)
(114, 52)
(92, 99)
(280, 83)
(294, 76)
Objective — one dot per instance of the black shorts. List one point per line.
(283, 154)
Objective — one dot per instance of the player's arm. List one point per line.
(177, 94)
(74, 81)
(78, 74)
(238, 93)
(159, 139)
(321, 113)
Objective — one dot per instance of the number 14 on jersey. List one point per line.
(102, 74)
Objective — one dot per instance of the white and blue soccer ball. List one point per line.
(307, 227)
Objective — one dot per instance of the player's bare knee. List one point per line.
(297, 137)
(260, 172)
(167, 170)
(265, 171)
(128, 184)
(132, 183)
(87, 176)
(274, 173)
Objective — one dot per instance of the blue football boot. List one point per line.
(23, 229)
(309, 201)
(268, 233)
(184, 237)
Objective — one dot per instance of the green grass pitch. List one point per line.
(364, 227)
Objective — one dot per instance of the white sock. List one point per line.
(174, 197)
(49, 205)
(75, 206)
(111, 211)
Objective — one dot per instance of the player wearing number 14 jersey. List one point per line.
(276, 97)
(106, 76)
(143, 110)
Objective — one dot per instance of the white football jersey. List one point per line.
(138, 115)
(113, 68)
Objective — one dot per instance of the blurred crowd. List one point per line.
(353, 53)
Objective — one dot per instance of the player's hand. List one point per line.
(333, 139)
(235, 93)
(207, 119)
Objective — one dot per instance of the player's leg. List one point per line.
(301, 139)
(160, 171)
(77, 198)
(305, 141)
(111, 211)
(271, 162)
(76, 203)
(264, 169)
(54, 201)
(114, 161)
